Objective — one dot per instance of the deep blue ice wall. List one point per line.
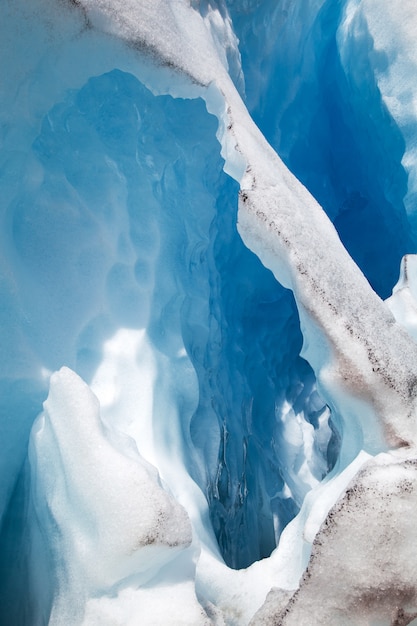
(248, 366)
(185, 269)
(327, 121)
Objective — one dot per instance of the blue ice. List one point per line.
(117, 214)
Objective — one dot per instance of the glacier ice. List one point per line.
(111, 537)
(182, 437)
(309, 102)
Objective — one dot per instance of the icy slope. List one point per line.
(121, 260)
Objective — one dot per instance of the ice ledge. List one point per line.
(363, 555)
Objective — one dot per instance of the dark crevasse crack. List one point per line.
(324, 115)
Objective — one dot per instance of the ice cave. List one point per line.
(208, 314)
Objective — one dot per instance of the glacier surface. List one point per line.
(205, 400)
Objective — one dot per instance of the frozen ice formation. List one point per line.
(194, 194)
(115, 520)
(378, 580)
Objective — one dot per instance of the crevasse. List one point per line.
(122, 261)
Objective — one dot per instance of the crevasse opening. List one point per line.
(130, 204)
(122, 261)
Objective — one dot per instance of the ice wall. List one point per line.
(122, 261)
(105, 235)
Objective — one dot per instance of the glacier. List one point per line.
(208, 409)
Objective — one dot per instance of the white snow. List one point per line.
(115, 520)
(403, 302)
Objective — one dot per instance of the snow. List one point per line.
(378, 580)
(404, 296)
(186, 460)
(129, 529)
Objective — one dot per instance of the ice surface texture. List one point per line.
(378, 580)
(199, 432)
